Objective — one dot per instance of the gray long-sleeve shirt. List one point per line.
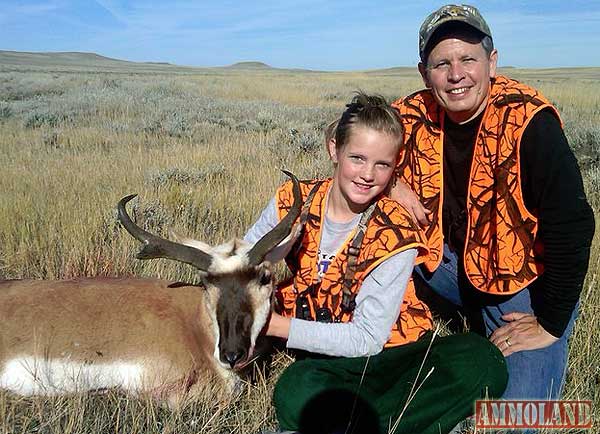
(377, 303)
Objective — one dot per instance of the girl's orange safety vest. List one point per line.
(501, 255)
(390, 230)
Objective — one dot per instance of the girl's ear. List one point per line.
(331, 147)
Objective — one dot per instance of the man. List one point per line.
(503, 204)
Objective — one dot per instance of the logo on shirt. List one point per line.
(323, 263)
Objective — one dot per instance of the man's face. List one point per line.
(458, 72)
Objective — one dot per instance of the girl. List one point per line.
(351, 296)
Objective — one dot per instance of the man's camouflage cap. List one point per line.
(450, 13)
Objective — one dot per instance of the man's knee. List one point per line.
(476, 364)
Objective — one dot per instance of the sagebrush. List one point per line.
(204, 150)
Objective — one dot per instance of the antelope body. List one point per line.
(144, 336)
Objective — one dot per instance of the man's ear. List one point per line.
(332, 149)
(423, 72)
(493, 62)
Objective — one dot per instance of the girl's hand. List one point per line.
(402, 193)
(278, 326)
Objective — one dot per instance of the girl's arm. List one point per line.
(377, 308)
(268, 220)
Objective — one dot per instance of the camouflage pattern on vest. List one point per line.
(501, 255)
(389, 231)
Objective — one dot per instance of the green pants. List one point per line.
(325, 395)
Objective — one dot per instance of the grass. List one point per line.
(203, 149)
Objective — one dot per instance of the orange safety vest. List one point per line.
(501, 255)
(389, 230)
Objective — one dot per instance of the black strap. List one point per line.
(348, 303)
(348, 297)
(302, 220)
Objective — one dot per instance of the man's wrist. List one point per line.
(551, 328)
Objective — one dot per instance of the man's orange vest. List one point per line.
(390, 230)
(501, 255)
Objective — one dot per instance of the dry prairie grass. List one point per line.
(203, 150)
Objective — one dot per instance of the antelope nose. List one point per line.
(232, 357)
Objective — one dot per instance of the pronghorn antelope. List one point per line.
(144, 336)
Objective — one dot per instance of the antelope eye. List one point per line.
(265, 277)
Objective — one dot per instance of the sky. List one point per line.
(312, 34)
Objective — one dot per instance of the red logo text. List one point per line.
(533, 414)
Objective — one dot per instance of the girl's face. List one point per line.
(365, 165)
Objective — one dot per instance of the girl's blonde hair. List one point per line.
(369, 111)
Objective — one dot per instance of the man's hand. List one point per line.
(523, 332)
(402, 193)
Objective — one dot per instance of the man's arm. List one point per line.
(405, 196)
(553, 191)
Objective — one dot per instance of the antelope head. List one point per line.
(237, 277)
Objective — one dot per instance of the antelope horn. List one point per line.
(157, 247)
(276, 235)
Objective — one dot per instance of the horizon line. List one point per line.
(266, 65)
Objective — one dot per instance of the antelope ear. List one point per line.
(284, 247)
(181, 239)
